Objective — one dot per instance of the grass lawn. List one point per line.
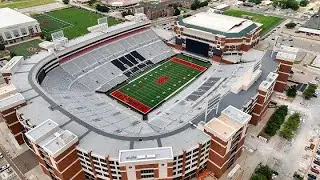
(157, 85)
(268, 22)
(73, 21)
(26, 49)
(24, 3)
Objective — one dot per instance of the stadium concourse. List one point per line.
(59, 104)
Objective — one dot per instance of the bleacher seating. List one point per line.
(115, 62)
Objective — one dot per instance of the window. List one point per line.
(102, 160)
(146, 171)
(16, 33)
(147, 176)
(8, 35)
(196, 150)
(94, 158)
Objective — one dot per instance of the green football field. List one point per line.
(157, 85)
(24, 3)
(73, 21)
(268, 22)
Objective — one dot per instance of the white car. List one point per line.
(1, 155)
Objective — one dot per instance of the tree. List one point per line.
(91, 2)
(259, 177)
(102, 8)
(290, 25)
(2, 47)
(12, 54)
(304, 3)
(285, 4)
(293, 4)
(292, 91)
(195, 5)
(204, 3)
(65, 1)
(176, 12)
(309, 92)
(256, 1)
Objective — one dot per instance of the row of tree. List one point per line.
(197, 4)
(276, 120)
(310, 91)
(102, 8)
(290, 126)
(286, 4)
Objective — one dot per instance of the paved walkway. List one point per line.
(43, 8)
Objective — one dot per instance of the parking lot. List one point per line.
(6, 172)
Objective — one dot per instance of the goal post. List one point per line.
(59, 39)
(103, 20)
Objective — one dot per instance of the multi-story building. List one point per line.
(214, 35)
(263, 97)
(227, 133)
(17, 26)
(286, 57)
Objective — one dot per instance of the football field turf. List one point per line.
(73, 21)
(268, 22)
(152, 88)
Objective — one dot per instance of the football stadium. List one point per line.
(119, 103)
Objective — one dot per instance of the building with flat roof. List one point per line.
(312, 26)
(16, 26)
(215, 35)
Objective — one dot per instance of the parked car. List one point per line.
(316, 162)
(1, 155)
(9, 170)
(312, 176)
(315, 170)
(316, 167)
(309, 178)
(4, 167)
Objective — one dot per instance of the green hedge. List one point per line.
(290, 126)
(276, 120)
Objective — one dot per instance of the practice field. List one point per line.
(73, 21)
(152, 88)
(25, 49)
(268, 22)
(24, 3)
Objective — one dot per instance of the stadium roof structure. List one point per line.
(218, 24)
(105, 126)
(121, 3)
(13, 18)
